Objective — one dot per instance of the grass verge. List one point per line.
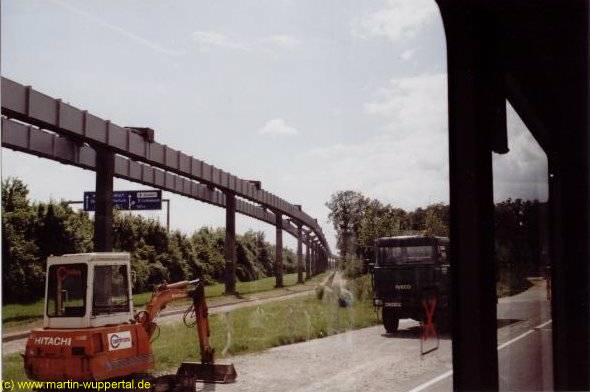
(253, 329)
(18, 315)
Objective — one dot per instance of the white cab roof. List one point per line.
(88, 258)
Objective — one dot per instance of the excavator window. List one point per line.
(110, 289)
(66, 290)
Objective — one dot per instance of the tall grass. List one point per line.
(275, 324)
(252, 329)
(16, 315)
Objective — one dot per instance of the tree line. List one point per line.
(32, 231)
(520, 228)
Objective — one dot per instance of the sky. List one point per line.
(308, 97)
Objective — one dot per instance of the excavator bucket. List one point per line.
(191, 372)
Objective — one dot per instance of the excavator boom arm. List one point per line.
(166, 293)
(189, 372)
(202, 324)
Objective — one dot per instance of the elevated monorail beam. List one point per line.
(25, 138)
(30, 106)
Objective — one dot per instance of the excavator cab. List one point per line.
(88, 290)
(91, 332)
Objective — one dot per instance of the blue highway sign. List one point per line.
(128, 200)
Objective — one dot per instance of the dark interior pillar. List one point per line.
(570, 254)
(569, 197)
(475, 114)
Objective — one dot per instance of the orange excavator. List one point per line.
(91, 332)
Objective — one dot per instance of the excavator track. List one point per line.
(166, 383)
(191, 373)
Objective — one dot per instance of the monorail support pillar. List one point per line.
(103, 217)
(299, 254)
(307, 259)
(279, 250)
(230, 243)
(314, 259)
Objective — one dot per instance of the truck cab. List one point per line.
(407, 271)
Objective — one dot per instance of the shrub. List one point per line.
(354, 268)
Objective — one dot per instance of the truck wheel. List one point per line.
(390, 320)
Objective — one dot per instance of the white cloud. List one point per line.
(277, 127)
(407, 54)
(397, 20)
(285, 41)
(119, 30)
(406, 163)
(412, 105)
(522, 172)
(206, 40)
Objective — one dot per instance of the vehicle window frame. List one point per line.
(125, 290)
(433, 256)
(84, 278)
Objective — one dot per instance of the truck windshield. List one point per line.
(66, 290)
(404, 255)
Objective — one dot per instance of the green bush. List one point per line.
(33, 231)
(354, 268)
(361, 288)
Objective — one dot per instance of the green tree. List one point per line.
(33, 231)
(436, 221)
(14, 195)
(22, 269)
(346, 211)
(59, 230)
(380, 221)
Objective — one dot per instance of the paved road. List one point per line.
(363, 360)
(524, 345)
(370, 360)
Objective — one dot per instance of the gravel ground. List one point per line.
(363, 360)
(370, 360)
